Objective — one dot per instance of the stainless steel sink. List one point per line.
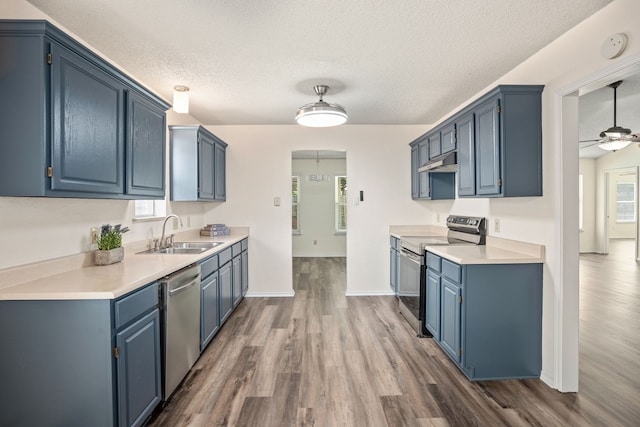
(199, 245)
(184, 248)
(173, 250)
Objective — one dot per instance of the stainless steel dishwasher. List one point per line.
(181, 319)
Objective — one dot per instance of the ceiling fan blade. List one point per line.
(591, 140)
(592, 143)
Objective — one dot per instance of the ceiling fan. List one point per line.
(616, 137)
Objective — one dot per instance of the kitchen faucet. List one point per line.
(163, 241)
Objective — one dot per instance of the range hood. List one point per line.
(447, 162)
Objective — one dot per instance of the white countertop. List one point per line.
(110, 281)
(496, 250)
(483, 254)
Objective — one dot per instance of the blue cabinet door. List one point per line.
(138, 370)
(434, 145)
(448, 138)
(423, 177)
(87, 150)
(487, 133)
(245, 272)
(220, 173)
(209, 306)
(450, 319)
(414, 172)
(145, 147)
(432, 316)
(206, 163)
(466, 155)
(226, 291)
(237, 279)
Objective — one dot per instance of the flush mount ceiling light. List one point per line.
(181, 99)
(321, 114)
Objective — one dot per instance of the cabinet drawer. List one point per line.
(236, 249)
(245, 245)
(208, 266)
(132, 306)
(433, 262)
(451, 270)
(224, 257)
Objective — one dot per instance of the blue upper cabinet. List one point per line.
(79, 129)
(427, 185)
(498, 139)
(466, 155)
(87, 150)
(434, 145)
(500, 146)
(146, 148)
(198, 164)
(448, 138)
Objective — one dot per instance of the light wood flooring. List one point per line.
(324, 359)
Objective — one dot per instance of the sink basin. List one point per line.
(184, 248)
(199, 245)
(173, 250)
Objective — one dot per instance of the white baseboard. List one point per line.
(270, 294)
(368, 293)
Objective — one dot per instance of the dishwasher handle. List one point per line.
(185, 286)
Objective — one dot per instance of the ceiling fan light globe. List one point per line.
(614, 144)
(321, 114)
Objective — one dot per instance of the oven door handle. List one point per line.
(410, 256)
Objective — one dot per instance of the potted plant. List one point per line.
(110, 248)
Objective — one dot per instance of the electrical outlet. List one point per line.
(496, 225)
(276, 201)
(95, 234)
(438, 218)
(175, 223)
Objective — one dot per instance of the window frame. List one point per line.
(295, 205)
(632, 202)
(338, 204)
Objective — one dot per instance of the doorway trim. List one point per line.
(566, 310)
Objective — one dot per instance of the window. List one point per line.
(626, 202)
(150, 209)
(341, 203)
(295, 199)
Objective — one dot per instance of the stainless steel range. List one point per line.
(462, 230)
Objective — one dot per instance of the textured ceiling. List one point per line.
(255, 62)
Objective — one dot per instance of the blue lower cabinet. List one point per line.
(81, 362)
(138, 367)
(450, 320)
(237, 279)
(209, 307)
(245, 272)
(432, 318)
(486, 317)
(226, 291)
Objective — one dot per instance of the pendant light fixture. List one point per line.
(616, 137)
(321, 113)
(181, 99)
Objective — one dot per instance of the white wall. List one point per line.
(316, 209)
(588, 232)
(259, 168)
